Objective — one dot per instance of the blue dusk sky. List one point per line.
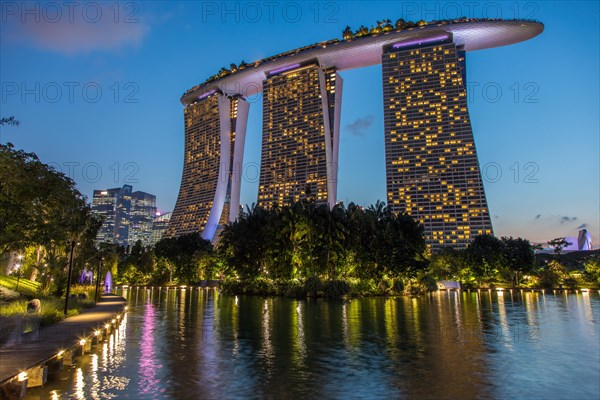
(96, 86)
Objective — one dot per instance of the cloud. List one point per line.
(582, 226)
(567, 219)
(70, 29)
(360, 125)
(537, 216)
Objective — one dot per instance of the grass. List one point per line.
(26, 286)
(14, 318)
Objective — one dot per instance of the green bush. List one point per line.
(428, 283)
(313, 286)
(362, 287)
(336, 289)
(398, 286)
(296, 290)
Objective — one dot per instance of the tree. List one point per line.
(347, 34)
(559, 244)
(41, 209)
(592, 268)
(519, 256)
(9, 121)
(362, 31)
(185, 253)
(485, 257)
(446, 264)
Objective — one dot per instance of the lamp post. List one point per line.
(18, 268)
(98, 279)
(72, 243)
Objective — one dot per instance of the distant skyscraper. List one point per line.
(126, 216)
(104, 204)
(141, 217)
(431, 164)
(301, 111)
(159, 227)
(209, 196)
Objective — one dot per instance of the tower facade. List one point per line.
(215, 130)
(432, 171)
(141, 218)
(301, 114)
(126, 215)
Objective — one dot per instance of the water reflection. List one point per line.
(196, 343)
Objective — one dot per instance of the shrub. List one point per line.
(398, 286)
(336, 289)
(296, 290)
(363, 287)
(313, 286)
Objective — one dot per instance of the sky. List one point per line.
(96, 87)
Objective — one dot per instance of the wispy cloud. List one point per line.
(75, 29)
(360, 125)
(567, 219)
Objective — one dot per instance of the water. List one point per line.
(199, 344)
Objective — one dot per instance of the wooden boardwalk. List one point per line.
(45, 343)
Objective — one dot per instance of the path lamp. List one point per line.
(72, 243)
(98, 279)
(18, 268)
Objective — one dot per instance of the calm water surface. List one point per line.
(199, 344)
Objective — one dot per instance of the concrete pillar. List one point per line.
(15, 389)
(67, 357)
(37, 376)
(54, 368)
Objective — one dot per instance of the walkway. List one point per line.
(47, 342)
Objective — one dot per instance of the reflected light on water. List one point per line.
(79, 384)
(200, 344)
(148, 363)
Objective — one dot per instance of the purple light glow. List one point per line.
(419, 41)
(206, 94)
(149, 365)
(286, 68)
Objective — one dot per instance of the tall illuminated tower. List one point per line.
(431, 164)
(301, 114)
(209, 196)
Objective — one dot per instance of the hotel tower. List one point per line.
(209, 196)
(432, 171)
(300, 136)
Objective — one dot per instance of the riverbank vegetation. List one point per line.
(299, 250)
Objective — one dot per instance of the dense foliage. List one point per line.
(305, 240)
(40, 210)
(298, 250)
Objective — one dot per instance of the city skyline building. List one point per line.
(432, 171)
(126, 215)
(300, 136)
(159, 226)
